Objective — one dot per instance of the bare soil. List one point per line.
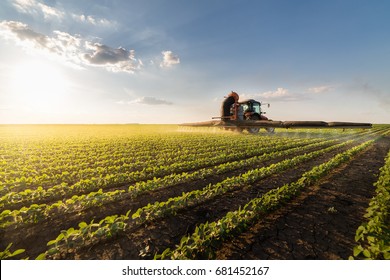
(319, 224)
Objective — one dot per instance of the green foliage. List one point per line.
(202, 243)
(8, 254)
(47, 172)
(373, 236)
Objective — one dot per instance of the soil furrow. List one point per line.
(33, 238)
(321, 222)
(155, 236)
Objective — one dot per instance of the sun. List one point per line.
(38, 85)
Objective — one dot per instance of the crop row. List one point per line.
(16, 175)
(37, 169)
(98, 155)
(88, 232)
(208, 236)
(174, 204)
(94, 183)
(35, 213)
(373, 236)
(94, 152)
(75, 171)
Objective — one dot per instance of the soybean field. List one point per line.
(167, 192)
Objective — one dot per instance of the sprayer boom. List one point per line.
(278, 124)
(248, 115)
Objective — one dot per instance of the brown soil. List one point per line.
(316, 230)
(319, 224)
(33, 238)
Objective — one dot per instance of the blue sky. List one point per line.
(172, 61)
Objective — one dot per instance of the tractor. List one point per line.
(248, 115)
(249, 109)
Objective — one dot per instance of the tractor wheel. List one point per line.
(253, 130)
(270, 129)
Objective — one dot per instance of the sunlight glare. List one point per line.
(38, 86)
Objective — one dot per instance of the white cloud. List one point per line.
(38, 8)
(147, 100)
(66, 41)
(320, 89)
(169, 59)
(50, 12)
(34, 7)
(20, 31)
(283, 94)
(77, 51)
(280, 94)
(116, 60)
(60, 44)
(92, 20)
(71, 48)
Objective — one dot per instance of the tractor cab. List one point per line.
(250, 109)
(247, 110)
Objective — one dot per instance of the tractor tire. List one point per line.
(253, 130)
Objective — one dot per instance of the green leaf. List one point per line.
(128, 213)
(17, 252)
(41, 257)
(5, 212)
(367, 253)
(184, 239)
(60, 237)
(371, 239)
(137, 214)
(165, 253)
(8, 247)
(82, 225)
(357, 250)
(52, 251)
